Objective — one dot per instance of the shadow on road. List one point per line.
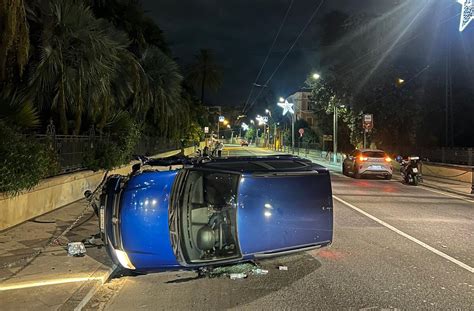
(183, 290)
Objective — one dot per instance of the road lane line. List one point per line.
(405, 235)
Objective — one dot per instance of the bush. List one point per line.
(23, 161)
(116, 151)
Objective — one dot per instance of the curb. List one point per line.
(84, 294)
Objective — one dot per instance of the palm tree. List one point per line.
(204, 73)
(84, 65)
(165, 83)
(14, 40)
(17, 110)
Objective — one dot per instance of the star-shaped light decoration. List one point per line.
(287, 107)
(467, 13)
(260, 120)
(245, 127)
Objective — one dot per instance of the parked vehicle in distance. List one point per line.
(215, 211)
(243, 143)
(368, 162)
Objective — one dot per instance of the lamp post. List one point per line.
(335, 135)
(335, 130)
(253, 122)
(274, 128)
(288, 107)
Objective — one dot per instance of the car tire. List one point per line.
(388, 177)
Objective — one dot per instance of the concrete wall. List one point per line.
(444, 171)
(448, 171)
(55, 192)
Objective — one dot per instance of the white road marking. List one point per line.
(405, 235)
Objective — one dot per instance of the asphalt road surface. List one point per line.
(395, 247)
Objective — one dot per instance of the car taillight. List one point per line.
(387, 159)
(362, 158)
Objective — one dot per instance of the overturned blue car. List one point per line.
(215, 212)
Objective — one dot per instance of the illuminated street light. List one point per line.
(316, 76)
(288, 107)
(401, 81)
(282, 100)
(228, 126)
(467, 13)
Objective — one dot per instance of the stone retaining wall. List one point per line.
(56, 192)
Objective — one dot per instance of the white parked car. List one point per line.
(365, 162)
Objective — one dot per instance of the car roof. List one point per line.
(262, 164)
(370, 150)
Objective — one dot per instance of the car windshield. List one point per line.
(207, 216)
(374, 154)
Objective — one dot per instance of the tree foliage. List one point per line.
(14, 40)
(204, 73)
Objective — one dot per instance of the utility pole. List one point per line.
(335, 134)
(293, 117)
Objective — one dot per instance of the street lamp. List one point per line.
(288, 107)
(316, 76)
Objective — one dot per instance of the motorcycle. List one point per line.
(410, 170)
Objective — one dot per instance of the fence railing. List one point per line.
(71, 149)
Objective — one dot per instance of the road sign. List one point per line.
(301, 131)
(368, 121)
(221, 118)
(206, 130)
(327, 137)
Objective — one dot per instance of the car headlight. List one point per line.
(124, 260)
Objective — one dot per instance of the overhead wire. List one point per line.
(269, 52)
(315, 11)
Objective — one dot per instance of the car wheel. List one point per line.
(388, 177)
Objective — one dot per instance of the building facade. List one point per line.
(302, 101)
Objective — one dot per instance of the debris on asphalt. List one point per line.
(283, 268)
(245, 268)
(259, 271)
(236, 276)
(76, 249)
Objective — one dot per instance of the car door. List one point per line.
(284, 212)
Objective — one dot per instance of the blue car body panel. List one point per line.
(277, 213)
(144, 220)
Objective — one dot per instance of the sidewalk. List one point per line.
(453, 186)
(35, 269)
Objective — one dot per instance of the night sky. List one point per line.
(240, 33)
